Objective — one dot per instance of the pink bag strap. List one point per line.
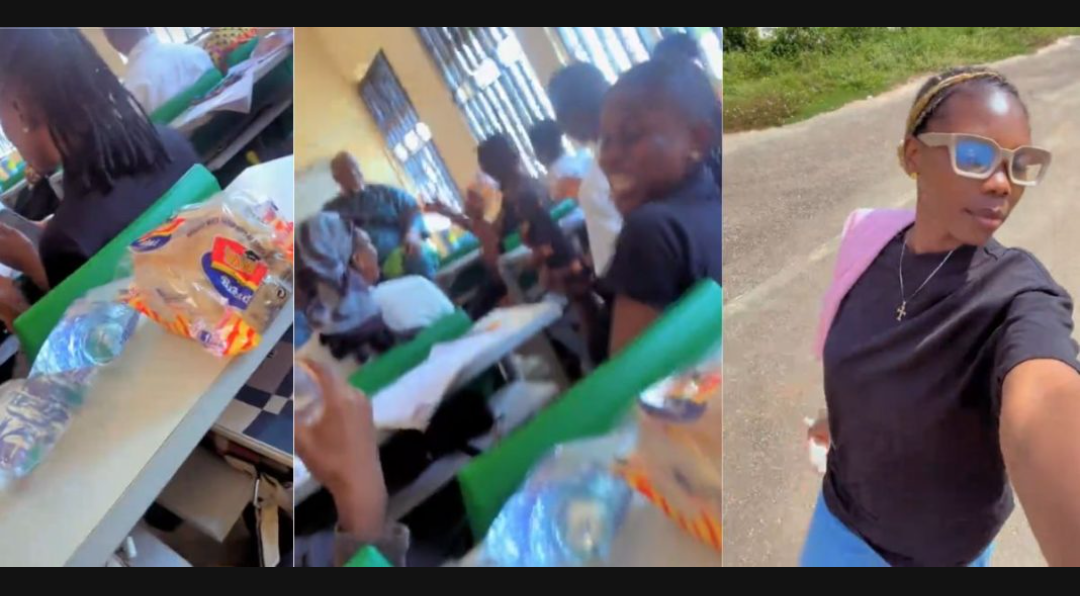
(866, 233)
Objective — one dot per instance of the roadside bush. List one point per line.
(792, 41)
(741, 39)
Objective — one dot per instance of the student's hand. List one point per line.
(12, 303)
(819, 431)
(16, 249)
(340, 449)
(413, 245)
(440, 208)
(474, 205)
(1040, 443)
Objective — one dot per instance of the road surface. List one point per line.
(787, 192)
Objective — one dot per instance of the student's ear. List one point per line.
(910, 151)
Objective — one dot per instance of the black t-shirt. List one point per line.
(526, 211)
(86, 222)
(668, 245)
(916, 467)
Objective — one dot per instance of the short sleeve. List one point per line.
(403, 203)
(649, 263)
(1037, 326)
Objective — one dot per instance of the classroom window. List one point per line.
(180, 34)
(5, 145)
(408, 138)
(615, 50)
(492, 81)
(712, 47)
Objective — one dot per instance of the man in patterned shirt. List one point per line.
(389, 215)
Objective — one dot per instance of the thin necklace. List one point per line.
(901, 312)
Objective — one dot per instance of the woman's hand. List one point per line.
(440, 208)
(1040, 442)
(16, 250)
(819, 431)
(413, 245)
(12, 303)
(341, 451)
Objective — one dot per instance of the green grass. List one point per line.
(763, 89)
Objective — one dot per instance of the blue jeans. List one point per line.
(830, 543)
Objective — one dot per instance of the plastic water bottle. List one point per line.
(90, 335)
(307, 395)
(31, 423)
(568, 514)
(36, 412)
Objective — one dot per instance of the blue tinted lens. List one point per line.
(975, 156)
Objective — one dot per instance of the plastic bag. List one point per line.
(218, 273)
(572, 507)
(36, 412)
(676, 463)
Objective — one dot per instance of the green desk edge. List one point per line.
(682, 337)
(169, 110)
(18, 176)
(370, 557)
(35, 325)
(388, 367)
(242, 52)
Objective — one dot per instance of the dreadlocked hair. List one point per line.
(936, 91)
(100, 130)
(677, 82)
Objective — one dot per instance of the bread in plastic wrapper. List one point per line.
(218, 273)
(36, 412)
(677, 462)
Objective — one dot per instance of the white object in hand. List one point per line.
(819, 454)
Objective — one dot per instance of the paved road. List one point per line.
(787, 193)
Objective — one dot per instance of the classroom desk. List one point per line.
(519, 324)
(143, 416)
(236, 135)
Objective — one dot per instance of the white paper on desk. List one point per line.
(412, 400)
(233, 94)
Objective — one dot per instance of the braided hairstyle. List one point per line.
(98, 127)
(939, 88)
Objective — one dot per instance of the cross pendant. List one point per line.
(901, 312)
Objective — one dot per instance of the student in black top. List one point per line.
(525, 209)
(62, 107)
(935, 406)
(661, 122)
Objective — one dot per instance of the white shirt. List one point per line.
(570, 165)
(157, 71)
(410, 303)
(602, 220)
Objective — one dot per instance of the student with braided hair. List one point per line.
(64, 110)
(949, 364)
(660, 127)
